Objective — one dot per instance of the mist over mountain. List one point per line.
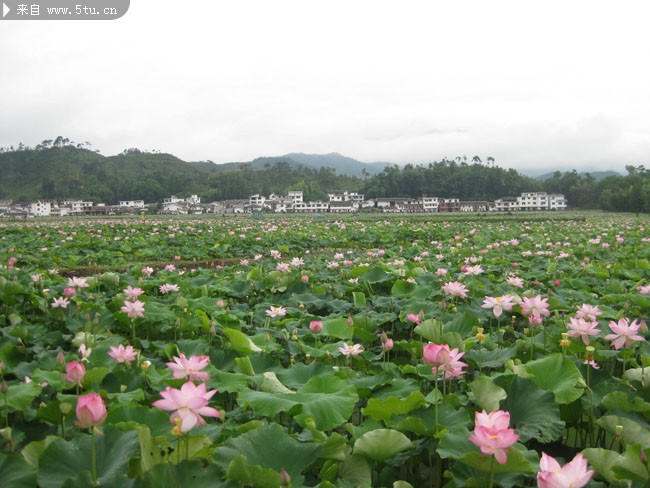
(546, 173)
(340, 164)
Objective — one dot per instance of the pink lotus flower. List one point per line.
(515, 281)
(455, 289)
(123, 354)
(473, 270)
(624, 333)
(148, 271)
(133, 309)
(167, 287)
(498, 304)
(75, 373)
(348, 350)
(588, 312)
(444, 360)
(77, 282)
(190, 368)
(579, 327)
(304, 278)
(276, 312)
(573, 474)
(412, 317)
(645, 290)
(60, 302)
(220, 303)
(133, 293)
(283, 267)
(189, 403)
(91, 411)
(536, 306)
(388, 345)
(492, 435)
(441, 272)
(69, 292)
(315, 326)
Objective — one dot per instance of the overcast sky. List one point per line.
(532, 84)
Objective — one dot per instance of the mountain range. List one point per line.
(339, 163)
(352, 167)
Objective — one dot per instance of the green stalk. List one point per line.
(435, 380)
(492, 468)
(591, 408)
(94, 455)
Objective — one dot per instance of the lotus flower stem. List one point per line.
(591, 408)
(492, 468)
(435, 382)
(94, 455)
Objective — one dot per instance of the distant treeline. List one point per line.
(61, 168)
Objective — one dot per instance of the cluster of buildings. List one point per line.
(338, 201)
(343, 201)
(69, 207)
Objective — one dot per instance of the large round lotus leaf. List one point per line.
(381, 444)
(15, 472)
(533, 412)
(558, 374)
(64, 460)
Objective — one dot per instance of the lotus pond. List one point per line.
(352, 352)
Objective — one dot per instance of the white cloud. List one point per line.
(532, 84)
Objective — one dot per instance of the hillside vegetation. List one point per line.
(60, 170)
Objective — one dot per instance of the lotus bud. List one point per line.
(4, 388)
(285, 479)
(388, 345)
(60, 359)
(2, 366)
(421, 314)
(383, 338)
(315, 326)
(643, 327)
(350, 321)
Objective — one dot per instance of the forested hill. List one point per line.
(67, 171)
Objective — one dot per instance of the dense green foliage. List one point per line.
(57, 170)
(340, 352)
